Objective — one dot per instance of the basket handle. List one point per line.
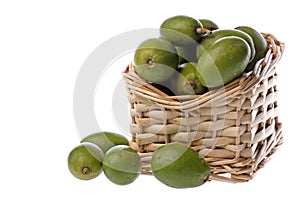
(266, 64)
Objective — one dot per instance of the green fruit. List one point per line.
(85, 161)
(106, 140)
(224, 61)
(260, 44)
(208, 24)
(188, 82)
(179, 166)
(208, 40)
(187, 53)
(181, 30)
(155, 60)
(121, 165)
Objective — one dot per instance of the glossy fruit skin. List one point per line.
(208, 40)
(209, 24)
(181, 30)
(179, 166)
(155, 60)
(188, 82)
(260, 44)
(224, 61)
(106, 140)
(121, 165)
(85, 161)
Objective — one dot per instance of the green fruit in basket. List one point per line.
(209, 24)
(208, 40)
(121, 165)
(224, 61)
(155, 60)
(85, 161)
(179, 166)
(106, 140)
(187, 53)
(182, 30)
(260, 44)
(187, 82)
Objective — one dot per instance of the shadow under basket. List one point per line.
(234, 128)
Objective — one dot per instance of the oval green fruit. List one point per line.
(209, 40)
(85, 161)
(224, 61)
(179, 166)
(260, 44)
(155, 60)
(181, 30)
(121, 165)
(106, 140)
(187, 53)
(188, 82)
(209, 24)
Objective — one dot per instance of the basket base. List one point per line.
(234, 171)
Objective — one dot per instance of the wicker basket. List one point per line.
(235, 128)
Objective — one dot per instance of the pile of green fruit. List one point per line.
(175, 165)
(192, 56)
(105, 151)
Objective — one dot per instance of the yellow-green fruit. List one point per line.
(121, 165)
(179, 166)
(260, 44)
(209, 24)
(224, 61)
(155, 60)
(188, 82)
(181, 30)
(106, 140)
(209, 40)
(85, 161)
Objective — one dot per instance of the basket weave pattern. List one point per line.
(235, 128)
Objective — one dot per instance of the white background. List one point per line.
(43, 45)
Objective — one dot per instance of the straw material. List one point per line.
(235, 128)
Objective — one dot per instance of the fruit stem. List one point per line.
(203, 30)
(85, 170)
(190, 84)
(150, 62)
